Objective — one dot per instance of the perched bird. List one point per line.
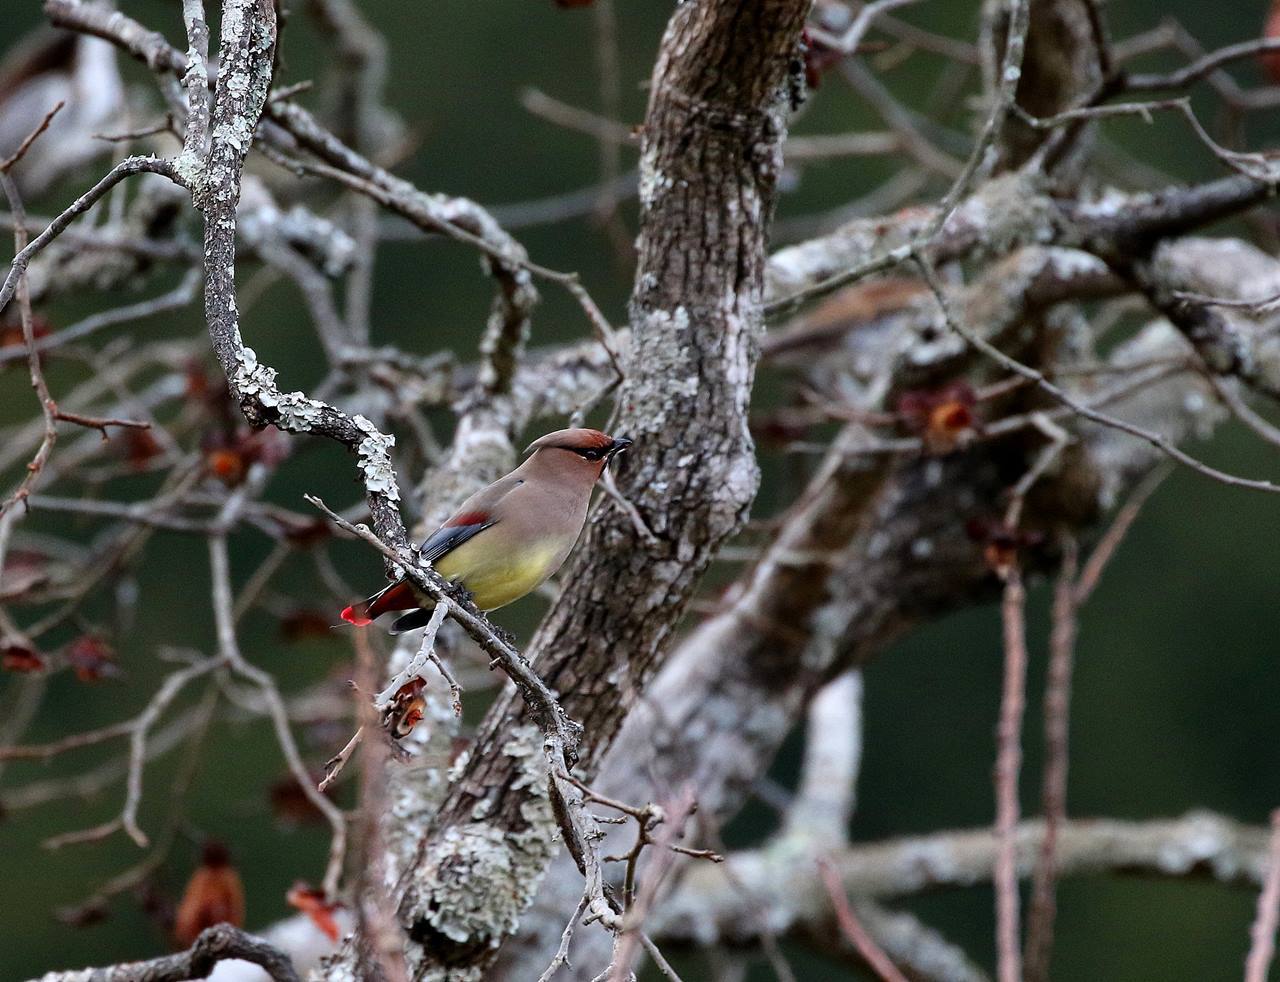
(509, 537)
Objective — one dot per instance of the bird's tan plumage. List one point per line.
(506, 539)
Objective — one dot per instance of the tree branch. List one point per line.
(712, 150)
(215, 944)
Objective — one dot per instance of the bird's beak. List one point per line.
(620, 444)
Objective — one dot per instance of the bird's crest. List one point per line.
(574, 438)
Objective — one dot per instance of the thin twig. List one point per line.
(427, 220)
(1157, 440)
(1263, 932)
(1201, 67)
(1119, 528)
(1001, 102)
(11, 161)
(1008, 763)
(659, 960)
(47, 751)
(137, 729)
(334, 765)
(1058, 439)
(165, 125)
(639, 902)
(561, 956)
(852, 928)
(100, 423)
(610, 488)
(48, 408)
(1042, 909)
(1242, 410)
(847, 42)
(224, 619)
(606, 131)
(1262, 305)
(126, 168)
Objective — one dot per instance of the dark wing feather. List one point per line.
(413, 619)
(475, 515)
(448, 537)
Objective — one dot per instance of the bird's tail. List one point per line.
(413, 619)
(397, 596)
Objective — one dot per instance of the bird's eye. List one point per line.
(594, 454)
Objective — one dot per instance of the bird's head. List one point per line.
(579, 449)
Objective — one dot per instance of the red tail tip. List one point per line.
(358, 619)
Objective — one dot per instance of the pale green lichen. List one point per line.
(478, 879)
(375, 459)
(295, 411)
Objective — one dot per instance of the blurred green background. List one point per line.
(1175, 701)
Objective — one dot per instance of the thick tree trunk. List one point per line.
(1064, 67)
(721, 92)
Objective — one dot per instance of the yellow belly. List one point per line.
(495, 577)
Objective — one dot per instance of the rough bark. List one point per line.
(1064, 66)
(876, 544)
(871, 550)
(711, 157)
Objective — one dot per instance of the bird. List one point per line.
(506, 539)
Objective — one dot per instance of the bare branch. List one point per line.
(1057, 706)
(9, 162)
(1200, 68)
(1034, 375)
(853, 930)
(1261, 951)
(724, 901)
(48, 408)
(1008, 763)
(126, 168)
(214, 945)
(848, 40)
(230, 650)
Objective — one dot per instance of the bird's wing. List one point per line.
(446, 538)
(475, 515)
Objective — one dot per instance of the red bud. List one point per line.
(944, 417)
(140, 448)
(91, 658)
(313, 903)
(1001, 544)
(214, 895)
(20, 658)
(227, 465)
(405, 710)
